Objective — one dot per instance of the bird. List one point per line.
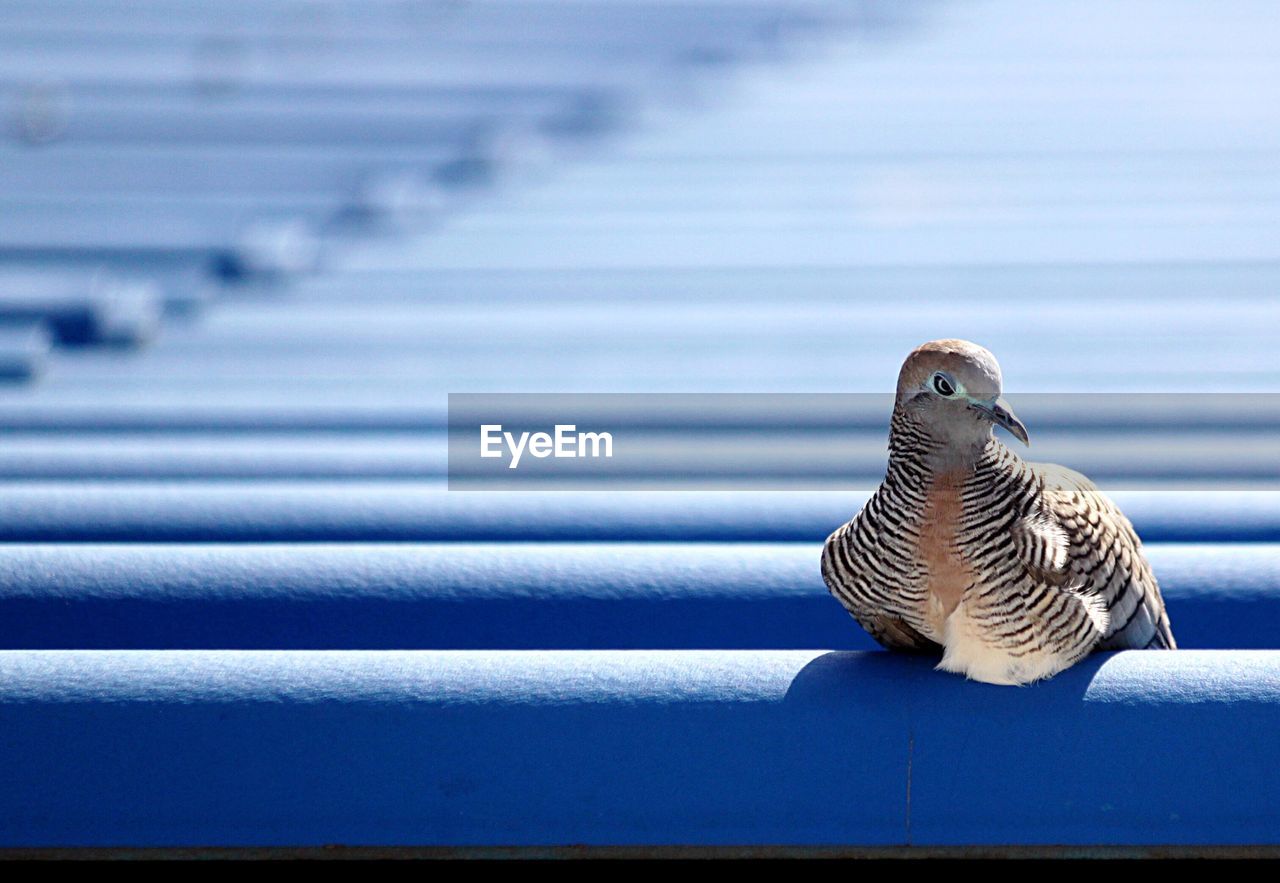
(1010, 571)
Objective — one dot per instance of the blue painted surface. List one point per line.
(801, 747)
(342, 511)
(226, 437)
(504, 595)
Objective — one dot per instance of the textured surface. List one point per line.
(277, 511)
(585, 595)
(801, 747)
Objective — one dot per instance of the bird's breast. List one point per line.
(948, 574)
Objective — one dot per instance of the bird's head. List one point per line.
(952, 388)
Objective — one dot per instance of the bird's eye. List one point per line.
(942, 386)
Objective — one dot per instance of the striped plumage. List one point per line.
(1012, 571)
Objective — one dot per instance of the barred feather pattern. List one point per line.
(1050, 568)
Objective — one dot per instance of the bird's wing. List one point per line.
(1082, 542)
(892, 632)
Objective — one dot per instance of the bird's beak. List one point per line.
(1002, 415)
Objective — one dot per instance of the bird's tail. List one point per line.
(1163, 637)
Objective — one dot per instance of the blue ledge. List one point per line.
(799, 747)
(518, 596)
(291, 511)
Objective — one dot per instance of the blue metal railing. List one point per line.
(618, 748)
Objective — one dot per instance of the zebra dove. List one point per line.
(1012, 571)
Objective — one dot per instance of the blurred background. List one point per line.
(264, 239)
